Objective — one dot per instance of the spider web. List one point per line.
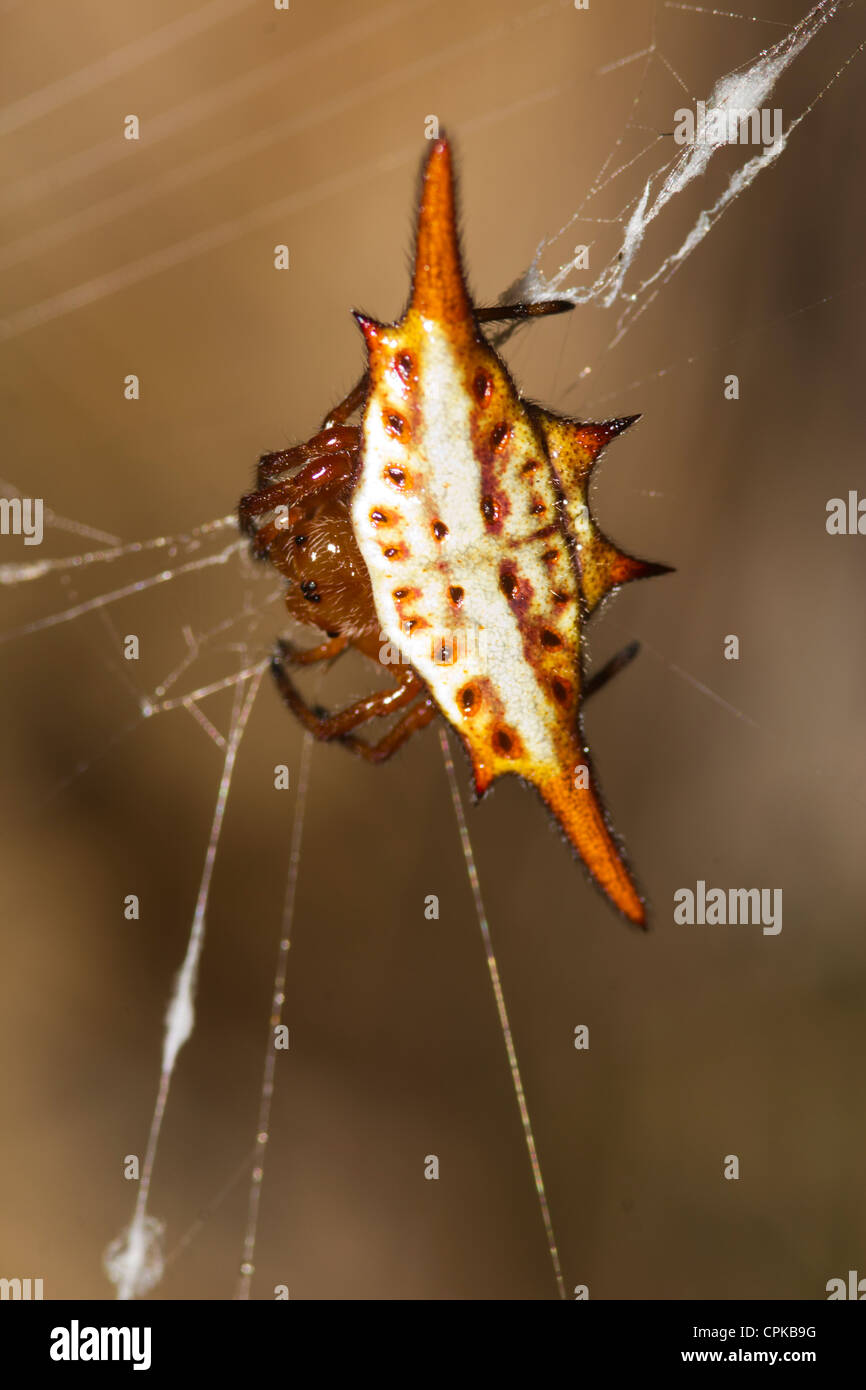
(207, 615)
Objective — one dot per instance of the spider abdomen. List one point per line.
(471, 539)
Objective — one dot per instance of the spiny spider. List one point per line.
(456, 509)
(299, 519)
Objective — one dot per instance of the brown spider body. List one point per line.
(315, 549)
(457, 511)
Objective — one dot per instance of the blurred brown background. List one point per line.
(306, 127)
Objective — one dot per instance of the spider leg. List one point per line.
(348, 405)
(416, 718)
(300, 656)
(617, 663)
(540, 309)
(334, 726)
(323, 475)
(342, 439)
(255, 503)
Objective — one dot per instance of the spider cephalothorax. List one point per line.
(449, 538)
